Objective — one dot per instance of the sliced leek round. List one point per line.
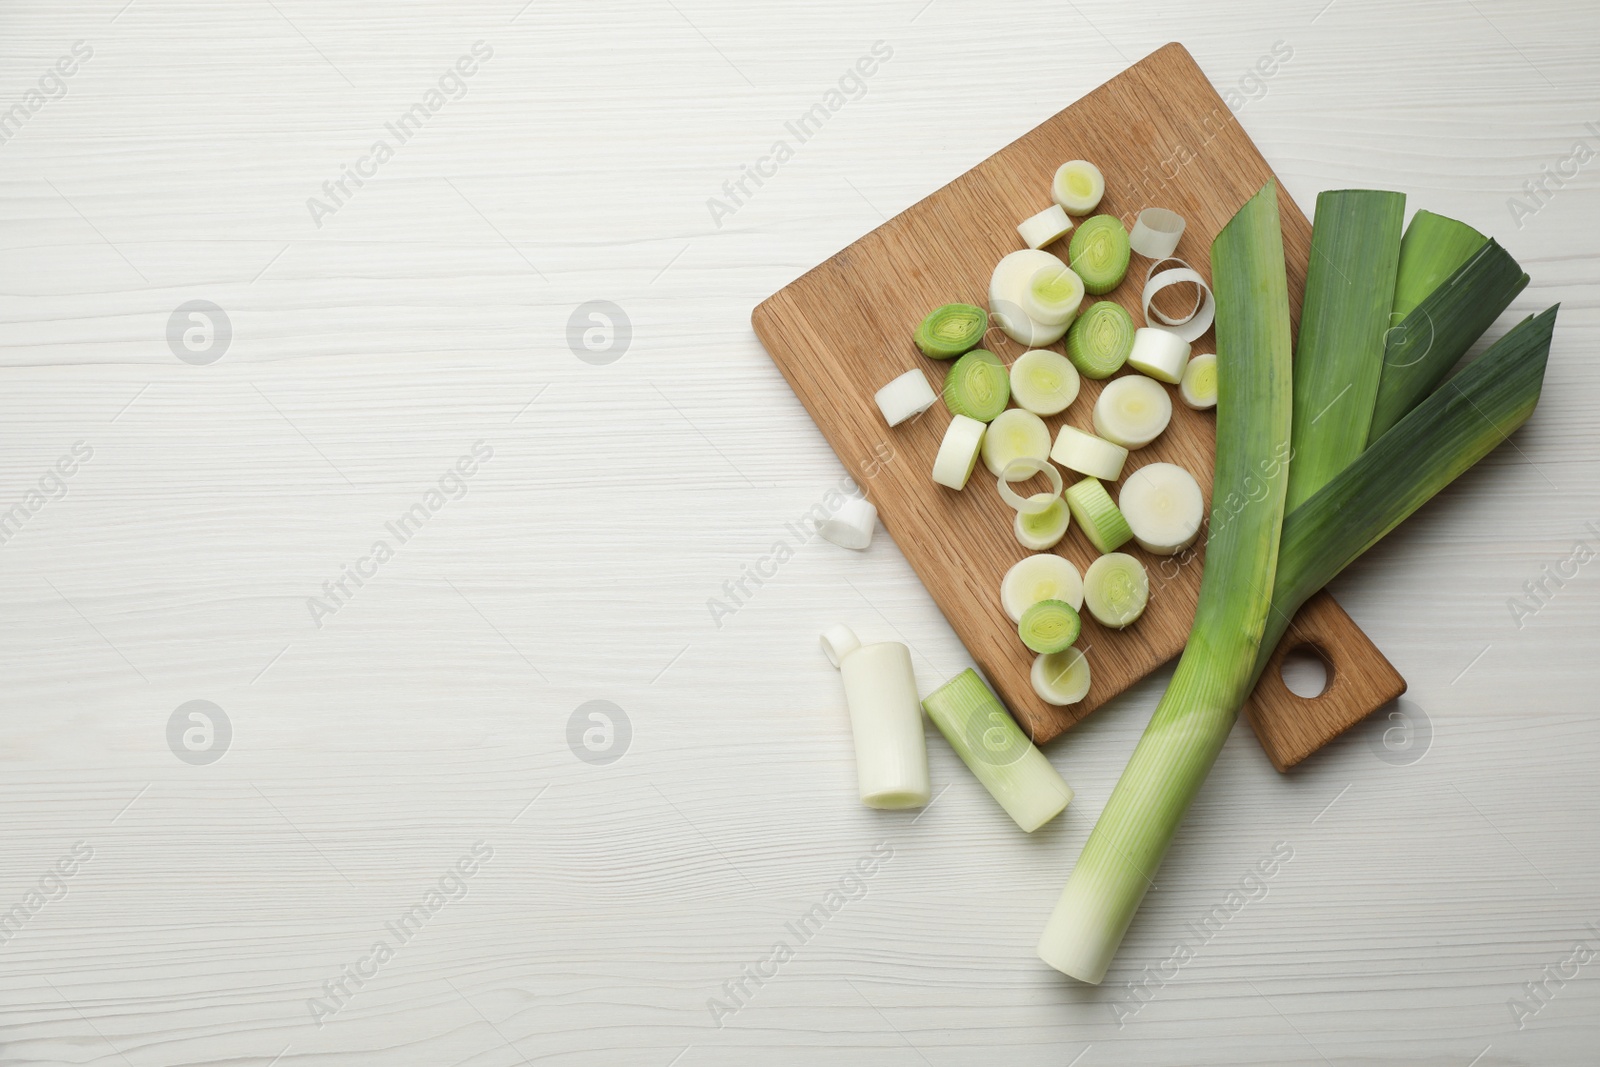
(1199, 317)
(1132, 411)
(1099, 253)
(951, 330)
(958, 452)
(1103, 524)
(1100, 339)
(1042, 530)
(1088, 454)
(1020, 470)
(1156, 232)
(1078, 186)
(1053, 295)
(851, 526)
(1061, 678)
(1044, 382)
(905, 397)
(1049, 626)
(1015, 434)
(1044, 576)
(1116, 589)
(977, 386)
(1008, 287)
(1199, 385)
(1158, 353)
(1163, 506)
(1046, 227)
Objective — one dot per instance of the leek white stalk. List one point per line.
(851, 526)
(1046, 227)
(958, 452)
(1216, 670)
(891, 755)
(1040, 577)
(997, 752)
(1088, 454)
(905, 397)
(1159, 354)
(838, 642)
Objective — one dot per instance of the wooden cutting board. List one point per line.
(1163, 138)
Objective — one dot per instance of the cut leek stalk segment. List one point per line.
(1014, 435)
(1116, 589)
(1434, 247)
(1419, 352)
(996, 750)
(1199, 385)
(1053, 295)
(905, 397)
(1163, 506)
(1020, 470)
(958, 452)
(891, 755)
(1350, 279)
(977, 386)
(1049, 626)
(951, 330)
(1132, 411)
(1216, 671)
(1156, 232)
(1044, 382)
(838, 642)
(1159, 354)
(1198, 319)
(1099, 253)
(1040, 577)
(1061, 678)
(1047, 226)
(1100, 339)
(1042, 529)
(1088, 454)
(1078, 186)
(851, 526)
(1102, 522)
(1008, 288)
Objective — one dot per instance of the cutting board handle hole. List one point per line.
(1306, 671)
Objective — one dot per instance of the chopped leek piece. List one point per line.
(1159, 354)
(1156, 232)
(1102, 522)
(1020, 470)
(905, 397)
(1047, 226)
(1420, 351)
(1088, 454)
(1078, 186)
(1053, 295)
(1132, 411)
(1099, 253)
(1433, 248)
(1216, 671)
(1116, 589)
(1043, 576)
(1355, 254)
(1199, 385)
(1015, 434)
(951, 330)
(1061, 678)
(958, 452)
(977, 386)
(1163, 506)
(1198, 319)
(891, 756)
(1100, 339)
(1049, 626)
(1042, 523)
(1044, 382)
(996, 750)
(838, 642)
(1008, 288)
(851, 526)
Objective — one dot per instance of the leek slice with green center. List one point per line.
(1098, 253)
(977, 386)
(951, 330)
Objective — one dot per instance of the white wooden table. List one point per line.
(415, 734)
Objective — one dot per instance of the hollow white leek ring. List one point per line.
(1020, 470)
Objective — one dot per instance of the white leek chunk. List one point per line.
(905, 397)
(851, 526)
(1007, 288)
(1053, 296)
(1160, 354)
(1061, 678)
(1155, 233)
(1163, 506)
(1043, 576)
(1132, 411)
(1044, 382)
(1020, 470)
(838, 642)
(958, 452)
(1199, 386)
(885, 720)
(1047, 226)
(997, 752)
(1200, 316)
(1078, 186)
(1042, 529)
(1088, 454)
(1015, 434)
(1116, 589)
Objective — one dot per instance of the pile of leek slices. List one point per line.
(998, 412)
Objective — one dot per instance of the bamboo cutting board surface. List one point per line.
(1162, 137)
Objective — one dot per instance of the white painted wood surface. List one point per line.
(431, 711)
